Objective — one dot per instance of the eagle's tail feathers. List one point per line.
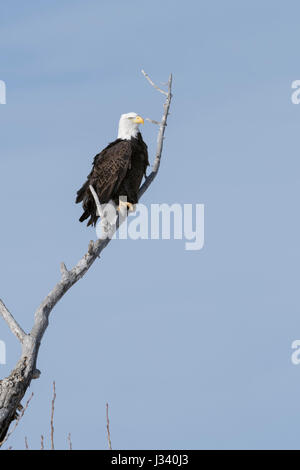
(81, 193)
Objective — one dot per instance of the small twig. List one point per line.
(153, 121)
(52, 416)
(18, 419)
(107, 427)
(26, 443)
(63, 270)
(70, 441)
(42, 442)
(153, 84)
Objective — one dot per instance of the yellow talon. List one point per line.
(128, 205)
(131, 207)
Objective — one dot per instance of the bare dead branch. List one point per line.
(42, 442)
(160, 137)
(14, 387)
(70, 441)
(52, 416)
(107, 427)
(26, 443)
(12, 323)
(153, 121)
(153, 84)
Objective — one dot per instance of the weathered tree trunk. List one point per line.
(14, 387)
(12, 391)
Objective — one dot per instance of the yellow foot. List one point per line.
(128, 205)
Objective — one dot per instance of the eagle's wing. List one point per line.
(109, 169)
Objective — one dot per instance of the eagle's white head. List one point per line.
(129, 125)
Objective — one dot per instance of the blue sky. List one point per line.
(191, 349)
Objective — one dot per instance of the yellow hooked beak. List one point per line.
(138, 120)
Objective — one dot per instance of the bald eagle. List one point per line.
(117, 171)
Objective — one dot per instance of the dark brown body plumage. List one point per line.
(117, 171)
